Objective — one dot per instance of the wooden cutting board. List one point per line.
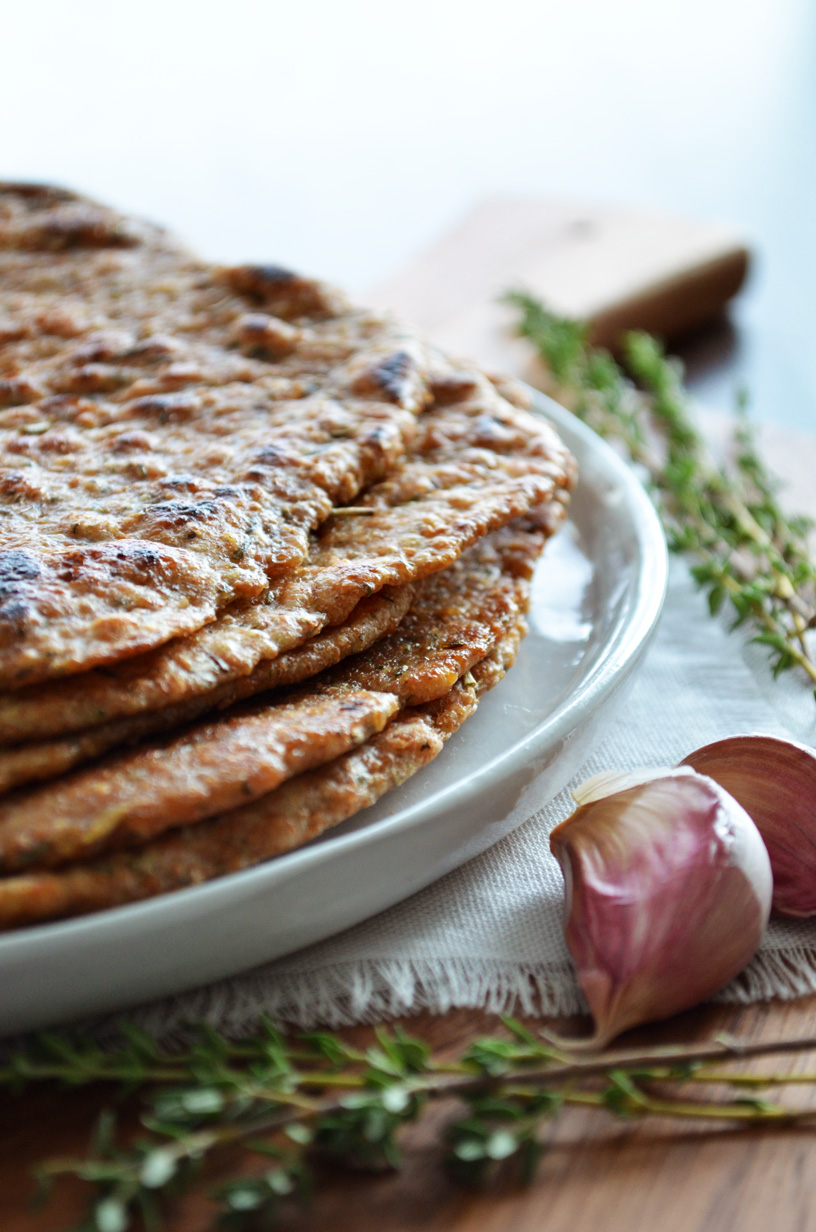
(617, 269)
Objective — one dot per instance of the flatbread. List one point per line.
(295, 813)
(172, 431)
(213, 765)
(459, 616)
(476, 466)
(204, 770)
(370, 620)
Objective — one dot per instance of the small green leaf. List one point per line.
(158, 1167)
(244, 1197)
(501, 1145)
(469, 1149)
(622, 1095)
(518, 1029)
(202, 1101)
(280, 1182)
(395, 1099)
(375, 1125)
(111, 1215)
(716, 598)
(758, 1105)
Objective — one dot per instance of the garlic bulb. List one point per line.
(668, 889)
(775, 782)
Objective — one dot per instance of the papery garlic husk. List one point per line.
(668, 890)
(775, 782)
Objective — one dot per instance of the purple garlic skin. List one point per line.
(775, 782)
(668, 890)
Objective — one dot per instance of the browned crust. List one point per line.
(213, 766)
(167, 783)
(477, 465)
(370, 620)
(201, 420)
(458, 617)
(292, 815)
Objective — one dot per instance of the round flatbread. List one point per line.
(212, 766)
(170, 431)
(288, 817)
(476, 465)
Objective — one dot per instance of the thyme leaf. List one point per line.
(746, 553)
(284, 1101)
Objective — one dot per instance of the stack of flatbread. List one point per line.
(261, 553)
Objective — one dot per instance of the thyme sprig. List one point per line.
(745, 551)
(286, 1100)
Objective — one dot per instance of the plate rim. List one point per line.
(628, 644)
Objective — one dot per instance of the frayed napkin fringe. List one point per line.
(371, 990)
(368, 990)
(786, 974)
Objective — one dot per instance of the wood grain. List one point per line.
(597, 1173)
(616, 269)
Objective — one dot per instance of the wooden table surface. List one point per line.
(597, 1172)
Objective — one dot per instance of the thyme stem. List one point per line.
(743, 549)
(284, 1098)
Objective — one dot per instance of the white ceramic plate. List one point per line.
(597, 597)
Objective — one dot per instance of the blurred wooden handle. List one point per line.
(617, 269)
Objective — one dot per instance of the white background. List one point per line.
(340, 138)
